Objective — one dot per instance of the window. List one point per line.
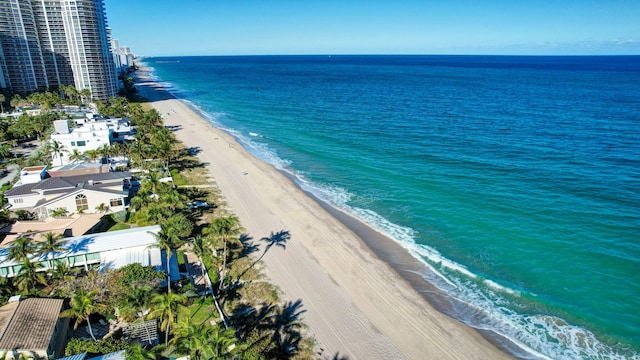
(81, 202)
(17, 201)
(81, 143)
(115, 202)
(73, 143)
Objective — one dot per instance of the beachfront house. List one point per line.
(110, 250)
(89, 133)
(76, 193)
(32, 328)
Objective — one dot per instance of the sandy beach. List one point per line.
(357, 306)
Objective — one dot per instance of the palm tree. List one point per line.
(69, 91)
(136, 302)
(201, 247)
(75, 155)
(202, 341)
(51, 245)
(57, 149)
(172, 199)
(169, 238)
(225, 228)
(62, 272)
(59, 212)
(28, 277)
(92, 154)
(103, 208)
(165, 307)
(223, 343)
(136, 351)
(21, 249)
(86, 94)
(83, 305)
(105, 151)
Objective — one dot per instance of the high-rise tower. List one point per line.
(48, 43)
(21, 61)
(89, 47)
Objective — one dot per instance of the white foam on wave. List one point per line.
(495, 286)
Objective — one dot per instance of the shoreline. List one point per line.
(358, 303)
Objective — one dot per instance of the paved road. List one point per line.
(12, 170)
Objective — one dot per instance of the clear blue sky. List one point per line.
(248, 27)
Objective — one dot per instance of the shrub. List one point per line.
(120, 216)
(101, 347)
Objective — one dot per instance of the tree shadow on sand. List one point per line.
(280, 324)
(278, 239)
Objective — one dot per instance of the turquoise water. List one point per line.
(516, 179)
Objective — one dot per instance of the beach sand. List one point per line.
(357, 305)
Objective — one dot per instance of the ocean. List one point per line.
(514, 179)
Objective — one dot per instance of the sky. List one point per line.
(270, 27)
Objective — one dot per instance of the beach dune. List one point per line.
(356, 305)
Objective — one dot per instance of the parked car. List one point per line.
(199, 205)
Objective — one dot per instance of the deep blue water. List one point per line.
(516, 179)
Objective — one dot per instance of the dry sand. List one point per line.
(356, 305)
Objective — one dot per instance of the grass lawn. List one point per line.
(119, 226)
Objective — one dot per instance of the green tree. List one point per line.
(165, 308)
(82, 306)
(57, 149)
(29, 276)
(86, 95)
(75, 155)
(21, 249)
(202, 248)
(103, 208)
(69, 91)
(169, 238)
(58, 212)
(225, 228)
(51, 245)
(136, 351)
(136, 302)
(202, 341)
(92, 154)
(2, 100)
(5, 150)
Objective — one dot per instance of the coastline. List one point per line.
(357, 304)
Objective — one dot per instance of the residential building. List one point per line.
(85, 24)
(110, 250)
(32, 328)
(122, 56)
(53, 42)
(89, 134)
(48, 43)
(77, 193)
(22, 63)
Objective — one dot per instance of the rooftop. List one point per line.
(98, 243)
(28, 324)
(76, 224)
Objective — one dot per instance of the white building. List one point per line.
(90, 134)
(77, 193)
(88, 41)
(48, 43)
(110, 250)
